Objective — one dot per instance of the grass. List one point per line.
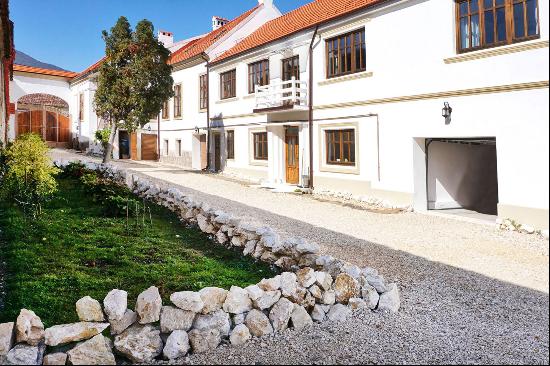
(74, 250)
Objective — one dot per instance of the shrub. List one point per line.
(102, 136)
(28, 174)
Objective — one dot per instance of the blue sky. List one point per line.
(67, 33)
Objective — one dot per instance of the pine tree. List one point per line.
(134, 80)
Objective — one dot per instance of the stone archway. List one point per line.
(46, 115)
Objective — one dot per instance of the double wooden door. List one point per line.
(292, 155)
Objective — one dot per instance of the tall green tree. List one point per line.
(134, 80)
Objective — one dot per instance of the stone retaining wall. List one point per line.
(311, 288)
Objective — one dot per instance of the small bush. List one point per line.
(28, 174)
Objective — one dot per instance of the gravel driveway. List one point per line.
(470, 294)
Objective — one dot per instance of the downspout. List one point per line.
(310, 105)
(206, 58)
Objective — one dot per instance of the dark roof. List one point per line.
(21, 58)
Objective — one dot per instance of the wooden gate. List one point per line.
(204, 152)
(149, 147)
(133, 146)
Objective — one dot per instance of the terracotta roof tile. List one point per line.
(303, 18)
(202, 44)
(92, 68)
(37, 70)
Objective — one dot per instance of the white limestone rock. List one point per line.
(306, 277)
(378, 282)
(316, 292)
(318, 314)
(237, 301)
(250, 247)
(239, 319)
(346, 287)
(389, 300)
(339, 313)
(307, 248)
(218, 320)
(329, 298)
(177, 345)
(148, 306)
(267, 300)
(96, 351)
(188, 301)
(119, 326)
(289, 284)
(240, 335)
(89, 310)
(300, 318)
(221, 237)
(213, 299)
(270, 284)
(115, 304)
(7, 337)
(258, 323)
(29, 328)
(204, 340)
(172, 318)
(254, 292)
(75, 332)
(139, 343)
(58, 358)
(370, 295)
(25, 354)
(280, 314)
(357, 303)
(323, 280)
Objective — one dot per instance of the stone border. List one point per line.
(312, 288)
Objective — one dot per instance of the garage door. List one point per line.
(149, 147)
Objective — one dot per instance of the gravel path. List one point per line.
(470, 294)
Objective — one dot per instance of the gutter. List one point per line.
(207, 60)
(310, 106)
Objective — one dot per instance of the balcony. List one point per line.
(281, 96)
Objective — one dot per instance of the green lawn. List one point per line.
(74, 251)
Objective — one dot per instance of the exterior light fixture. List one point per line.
(197, 131)
(446, 112)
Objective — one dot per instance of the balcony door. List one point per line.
(292, 158)
(291, 68)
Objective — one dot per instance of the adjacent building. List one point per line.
(436, 104)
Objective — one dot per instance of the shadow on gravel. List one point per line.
(448, 315)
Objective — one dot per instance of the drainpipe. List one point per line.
(158, 138)
(206, 58)
(310, 124)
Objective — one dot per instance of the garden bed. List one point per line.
(77, 249)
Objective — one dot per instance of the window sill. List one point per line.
(340, 79)
(250, 96)
(497, 51)
(228, 100)
(263, 163)
(344, 169)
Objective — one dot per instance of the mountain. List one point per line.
(21, 58)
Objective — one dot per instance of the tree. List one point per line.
(134, 80)
(27, 176)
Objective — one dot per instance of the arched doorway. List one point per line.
(45, 115)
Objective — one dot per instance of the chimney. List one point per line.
(218, 22)
(267, 3)
(166, 38)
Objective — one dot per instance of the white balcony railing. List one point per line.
(285, 93)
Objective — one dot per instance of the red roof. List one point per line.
(92, 68)
(199, 46)
(301, 19)
(38, 70)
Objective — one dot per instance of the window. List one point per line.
(340, 147)
(81, 107)
(177, 101)
(166, 148)
(228, 81)
(258, 74)
(166, 109)
(491, 23)
(178, 147)
(231, 144)
(260, 146)
(346, 54)
(203, 92)
(291, 68)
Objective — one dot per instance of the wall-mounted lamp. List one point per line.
(197, 131)
(447, 112)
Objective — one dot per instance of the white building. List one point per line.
(383, 74)
(378, 128)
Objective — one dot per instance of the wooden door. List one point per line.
(133, 146)
(149, 147)
(36, 123)
(51, 126)
(23, 122)
(292, 157)
(204, 153)
(64, 128)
